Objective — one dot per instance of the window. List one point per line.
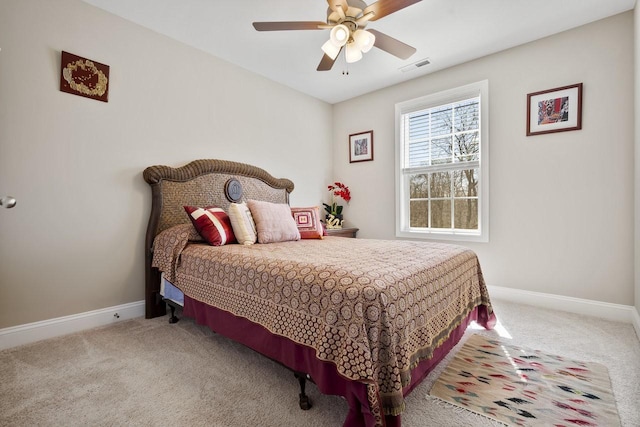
(442, 165)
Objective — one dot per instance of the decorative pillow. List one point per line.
(274, 222)
(212, 223)
(242, 222)
(308, 222)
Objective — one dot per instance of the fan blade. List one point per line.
(291, 25)
(338, 4)
(365, 18)
(382, 8)
(326, 63)
(393, 46)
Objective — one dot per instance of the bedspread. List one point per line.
(374, 308)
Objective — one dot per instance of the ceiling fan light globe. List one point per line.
(353, 53)
(339, 35)
(330, 49)
(364, 39)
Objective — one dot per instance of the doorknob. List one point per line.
(7, 202)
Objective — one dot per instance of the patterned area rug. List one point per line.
(523, 387)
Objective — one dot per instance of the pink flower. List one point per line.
(340, 190)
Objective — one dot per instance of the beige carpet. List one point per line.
(148, 372)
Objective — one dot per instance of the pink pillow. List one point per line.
(274, 222)
(212, 223)
(308, 222)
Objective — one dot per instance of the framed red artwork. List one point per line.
(554, 110)
(84, 77)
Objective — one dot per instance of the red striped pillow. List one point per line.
(212, 223)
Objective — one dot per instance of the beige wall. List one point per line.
(561, 205)
(74, 242)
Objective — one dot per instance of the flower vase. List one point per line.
(334, 221)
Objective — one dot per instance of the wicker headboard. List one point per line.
(199, 183)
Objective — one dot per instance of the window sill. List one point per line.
(434, 235)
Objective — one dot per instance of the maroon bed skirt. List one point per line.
(303, 359)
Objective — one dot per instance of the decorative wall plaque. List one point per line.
(84, 77)
(233, 190)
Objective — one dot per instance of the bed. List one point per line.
(365, 319)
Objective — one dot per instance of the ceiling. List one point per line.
(447, 32)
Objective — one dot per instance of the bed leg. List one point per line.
(173, 318)
(305, 403)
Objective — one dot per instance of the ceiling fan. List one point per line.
(347, 20)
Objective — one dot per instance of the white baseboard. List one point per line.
(32, 332)
(605, 310)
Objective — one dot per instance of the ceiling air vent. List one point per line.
(415, 65)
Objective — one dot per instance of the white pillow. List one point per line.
(242, 223)
(274, 222)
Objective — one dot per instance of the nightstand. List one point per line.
(343, 232)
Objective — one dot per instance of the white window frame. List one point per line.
(402, 181)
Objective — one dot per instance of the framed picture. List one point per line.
(554, 110)
(84, 77)
(361, 147)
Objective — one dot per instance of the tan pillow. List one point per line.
(242, 222)
(274, 222)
